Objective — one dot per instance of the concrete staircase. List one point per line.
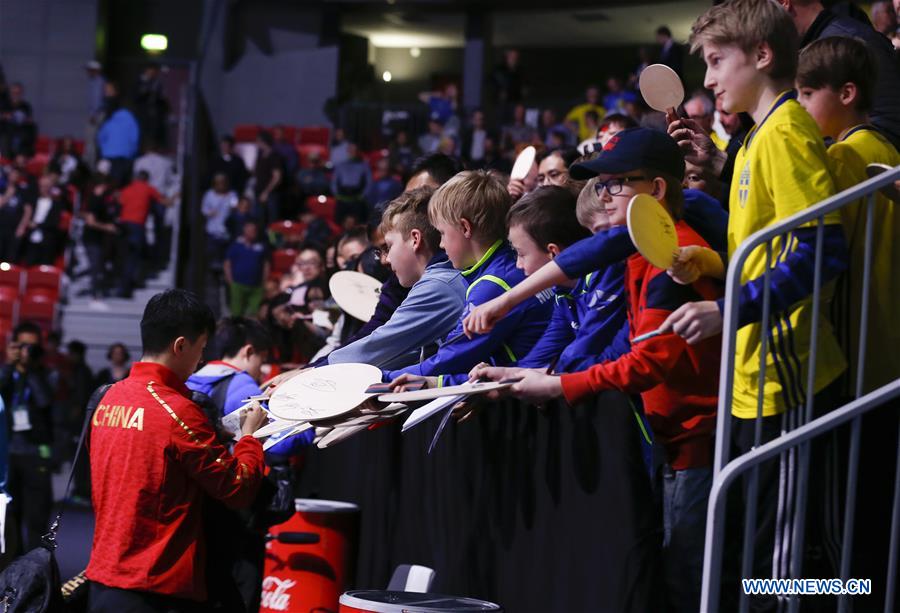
(114, 320)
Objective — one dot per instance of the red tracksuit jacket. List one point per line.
(679, 383)
(153, 455)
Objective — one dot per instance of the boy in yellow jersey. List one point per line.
(750, 48)
(835, 83)
(835, 79)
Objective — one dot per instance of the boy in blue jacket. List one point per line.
(240, 347)
(470, 211)
(588, 312)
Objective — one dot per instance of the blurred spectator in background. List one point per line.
(80, 385)
(339, 150)
(701, 109)
(100, 232)
(17, 128)
(553, 133)
(246, 267)
(884, 20)
(118, 136)
(217, 204)
(164, 177)
(617, 96)
(284, 148)
(152, 105)
(45, 239)
(268, 176)
(443, 106)
(431, 140)
(16, 209)
(350, 183)
(579, 113)
(136, 200)
(95, 82)
(119, 360)
(226, 161)
(670, 53)
(508, 84)
(553, 167)
(68, 164)
(28, 398)
(312, 180)
(401, 153)
(241, 214)
(518, 131)
(385, 186)
(473, 139)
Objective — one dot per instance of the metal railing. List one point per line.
(794, 445)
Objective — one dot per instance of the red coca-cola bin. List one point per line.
(310, 556)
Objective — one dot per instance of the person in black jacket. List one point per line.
(28, 397)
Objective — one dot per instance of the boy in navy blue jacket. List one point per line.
(588, 312)
(470, 211)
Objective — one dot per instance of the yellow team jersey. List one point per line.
(849, 156)
(720, 143)
(780, 170)
(577, 114)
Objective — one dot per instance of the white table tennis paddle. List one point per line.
(523, 163)
(661, 88)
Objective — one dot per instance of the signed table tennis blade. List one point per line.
(523, 163)
(652, 231)
(357, 294)
(661, 88)
(439, 392)
(890, 191)
(323, 393)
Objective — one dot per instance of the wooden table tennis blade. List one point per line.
(661, 87)
(523, 163)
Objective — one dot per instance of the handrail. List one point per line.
(800, 418)
(733, 287)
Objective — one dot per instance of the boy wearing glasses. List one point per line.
(678, 383)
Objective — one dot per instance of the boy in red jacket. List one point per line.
(153, 456)
(678, 383)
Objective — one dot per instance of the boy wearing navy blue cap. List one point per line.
(678, 383)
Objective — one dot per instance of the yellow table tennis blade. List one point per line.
(652, 231)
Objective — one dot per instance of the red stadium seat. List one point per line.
(290, 230)
(44, 280)
(282, 260)
(79, 147)
(43, 144)
(9, 294)
(36, 165)
(8, 311)
(12, 276)
(303, 152)
(322, 206)
(40, 311)
(315, 135)
(290, 133)
(246, 133)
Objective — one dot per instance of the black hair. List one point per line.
(228, 138)
(439, 167)
(232, 333)
(143, 175)
(76, 347)
(27, 327)
(548, 215)
(266, 137)
(174, 313)
(124, 349)
(568, 155)
(664, 31)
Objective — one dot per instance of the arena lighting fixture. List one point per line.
(415, 52)
(387, 76)
(322, 199)
(154, 42)
(4, 266)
